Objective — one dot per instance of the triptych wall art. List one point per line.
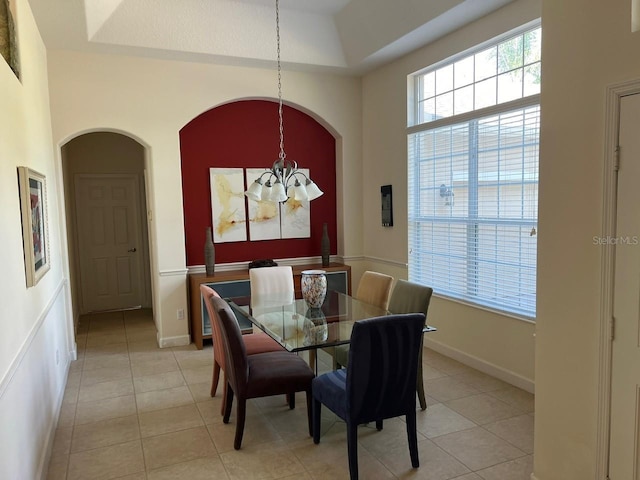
(267, 220)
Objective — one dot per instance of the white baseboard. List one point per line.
(482, 365)
(179, 341)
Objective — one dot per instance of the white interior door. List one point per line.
(109, 241)
(624, 454)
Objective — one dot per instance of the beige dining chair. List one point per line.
(407, 297)
(374, 289)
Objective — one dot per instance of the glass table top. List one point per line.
(297, 327)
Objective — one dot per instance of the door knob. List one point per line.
(131, 250)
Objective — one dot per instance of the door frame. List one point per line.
(66, 185)
(614, 93)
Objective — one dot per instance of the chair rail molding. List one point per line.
(176, 272)
(386, 261)
(24, 348)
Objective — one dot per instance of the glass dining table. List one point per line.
(297, 327)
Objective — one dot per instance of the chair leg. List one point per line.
(317, 408)
(292, 400)
(420, 382)
(379, 424)
(228, 403)
(241, 413)
(352, 450)
(215, 379)
(420, 388)
(413, 438)
(309, 413)
(225, 385)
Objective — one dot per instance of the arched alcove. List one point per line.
(244, 134)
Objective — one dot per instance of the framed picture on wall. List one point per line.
(35, 234)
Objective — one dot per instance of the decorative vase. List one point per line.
(325, 248)
(314, 327)
(314, 287)
(209, 254)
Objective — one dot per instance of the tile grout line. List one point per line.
(135, 399)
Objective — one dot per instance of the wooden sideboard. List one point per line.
(235, 283)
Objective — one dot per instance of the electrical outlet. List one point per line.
(180, 314)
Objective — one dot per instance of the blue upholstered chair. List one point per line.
(379, 381)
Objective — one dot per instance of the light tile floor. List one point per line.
(136, 412)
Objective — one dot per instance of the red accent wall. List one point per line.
(245, 134)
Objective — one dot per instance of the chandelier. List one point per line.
(283, 179)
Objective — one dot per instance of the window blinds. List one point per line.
(473, 209)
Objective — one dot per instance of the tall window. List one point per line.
(473, 175)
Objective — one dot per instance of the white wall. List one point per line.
(151, 100)
(586, 46)
(498, 344)
(35, 322)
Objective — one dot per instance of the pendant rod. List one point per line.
(282, 154)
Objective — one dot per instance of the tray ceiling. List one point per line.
(351, 36)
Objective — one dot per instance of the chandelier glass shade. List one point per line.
(283, 180)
